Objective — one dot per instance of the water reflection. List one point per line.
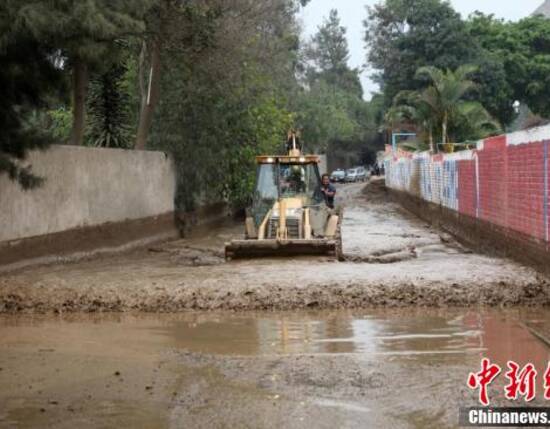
(498, 335)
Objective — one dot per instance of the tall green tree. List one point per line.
(330, 108)
(27, 77)
(404, 35)
(329, 53)
(324, 116)
(523, 51)
(172, 28)
(329, 47)
(85, 33)
(225, 95)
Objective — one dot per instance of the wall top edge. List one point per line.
(68, 147)
(531, 135)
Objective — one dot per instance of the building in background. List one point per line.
(527, 119)
(543, 9)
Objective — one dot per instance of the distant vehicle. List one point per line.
(362, 174)
(357, 174)
(338, 176)
(351, 175)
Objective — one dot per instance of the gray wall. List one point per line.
(86, 187)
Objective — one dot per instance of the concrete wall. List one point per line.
(501, 187)
(86, 187)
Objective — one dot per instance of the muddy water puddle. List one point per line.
(367, 335)
(255, 369)
(372, 333)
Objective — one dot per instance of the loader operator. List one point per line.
(328, 190)
(292, 181)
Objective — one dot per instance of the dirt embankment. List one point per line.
(392, 259)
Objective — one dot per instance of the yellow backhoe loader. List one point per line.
(289, 214)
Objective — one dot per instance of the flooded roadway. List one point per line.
(376, 368)
(389, 339)
(392, 260)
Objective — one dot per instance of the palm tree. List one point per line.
(442, 105)
(477, 122)
(409, 106)
(446, 92)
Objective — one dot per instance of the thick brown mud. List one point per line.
(383, 367)
(377, 368)
(392, 259)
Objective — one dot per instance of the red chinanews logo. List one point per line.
(521, 381)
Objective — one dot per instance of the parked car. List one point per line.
(362, 174)
(338, 176)
(351, 175)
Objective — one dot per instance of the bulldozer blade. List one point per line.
(237, 249)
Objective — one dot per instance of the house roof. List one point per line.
(543, 9)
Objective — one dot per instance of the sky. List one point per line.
(352, 13)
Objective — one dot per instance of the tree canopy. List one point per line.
(215, 82)
(521, 54)
(403, 35)
(85, 34)
(330, 108)
(511, 59)
(27, 77)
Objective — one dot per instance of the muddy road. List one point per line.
(81, 346)
(332, 369)
(392, 259)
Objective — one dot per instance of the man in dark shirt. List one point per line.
(328, 190)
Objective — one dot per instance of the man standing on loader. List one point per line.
(328, 190)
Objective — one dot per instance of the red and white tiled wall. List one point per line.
(504, 181)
